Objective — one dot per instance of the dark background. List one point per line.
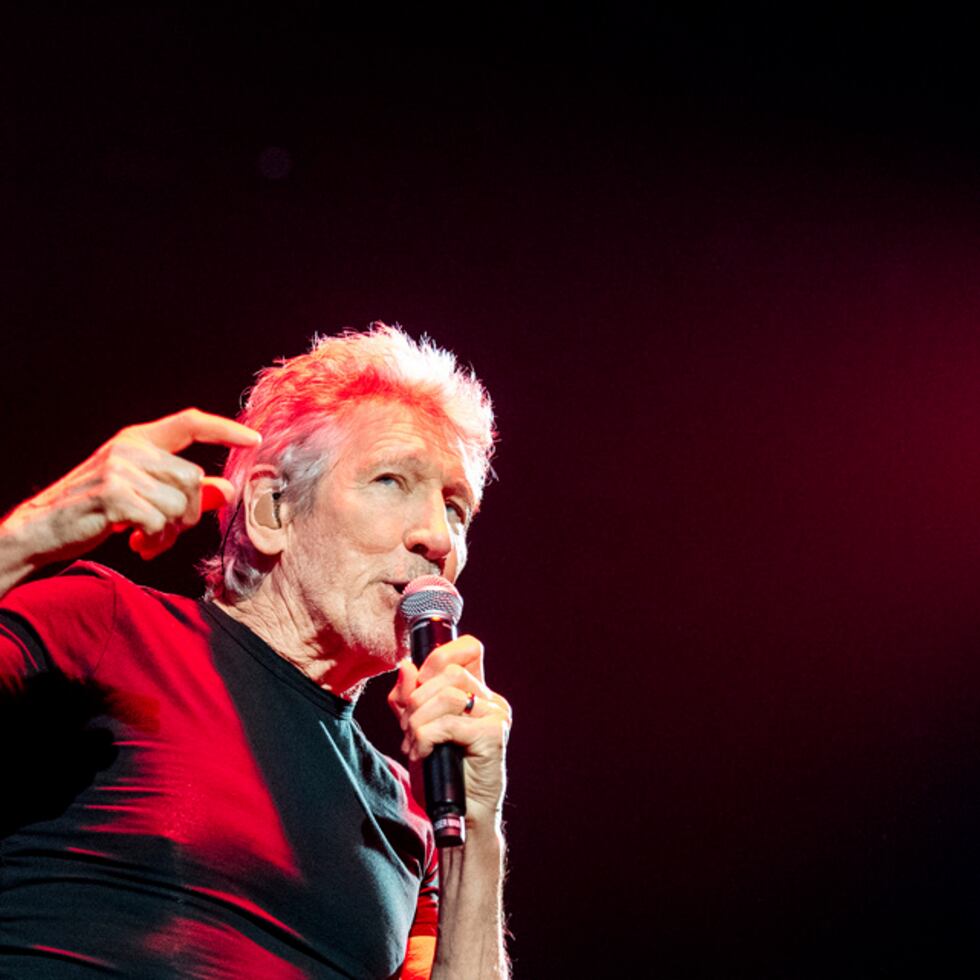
(721, 276)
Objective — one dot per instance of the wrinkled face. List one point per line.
(395, 504)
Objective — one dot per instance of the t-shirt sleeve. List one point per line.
(420, 954)
(61, 624)
(426, 922)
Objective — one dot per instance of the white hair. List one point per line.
(300, 405)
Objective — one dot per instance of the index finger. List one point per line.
(465, 651)
(176, 432)
(408, 677)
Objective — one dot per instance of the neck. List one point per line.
(289, 630)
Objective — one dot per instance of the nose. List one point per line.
(428, 532)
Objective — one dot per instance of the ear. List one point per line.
(265, 518)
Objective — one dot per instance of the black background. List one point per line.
(721, 277)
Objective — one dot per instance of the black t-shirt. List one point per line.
(181, 801)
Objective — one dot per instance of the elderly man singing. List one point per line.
(187, 792)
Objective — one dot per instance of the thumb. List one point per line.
(216, 492)
(408, 680)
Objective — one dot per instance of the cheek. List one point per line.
(382, 532)
(371, 529)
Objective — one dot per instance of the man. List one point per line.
(191, 794)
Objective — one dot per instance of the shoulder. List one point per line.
(397, 788)
(73, 615)
(83, 587)
(409, 793)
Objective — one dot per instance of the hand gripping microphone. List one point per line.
(431, 608)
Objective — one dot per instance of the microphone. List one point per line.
(431, 607)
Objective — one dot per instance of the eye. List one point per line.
(388, 479)
(459, 509)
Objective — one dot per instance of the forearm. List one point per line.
(133, 482)
(471, 927)
(447, 700)
(18, 554)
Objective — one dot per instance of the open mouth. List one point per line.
(399, 587)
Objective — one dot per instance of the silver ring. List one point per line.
(470, 701)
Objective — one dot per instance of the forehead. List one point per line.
(376, 431)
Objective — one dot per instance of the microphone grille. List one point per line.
(430, 595)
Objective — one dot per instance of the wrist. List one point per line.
(17, 557)
(485, 847)
(484, 822)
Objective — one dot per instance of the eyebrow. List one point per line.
(416, 460)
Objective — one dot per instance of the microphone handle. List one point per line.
(445, 790)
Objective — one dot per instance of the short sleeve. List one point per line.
(62, 623)
(426, 922)
(422, 937)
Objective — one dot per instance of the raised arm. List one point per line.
(133, 482)
(447, 700)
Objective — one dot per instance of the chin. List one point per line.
(385, 649)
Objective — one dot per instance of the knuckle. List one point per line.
(473, 645)
(188, 474)
(494, 733)
(435, 661)
(448, 699)
(113, 487)
(175, 506)
(113, 511)
(113, 465)
(125, 440)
